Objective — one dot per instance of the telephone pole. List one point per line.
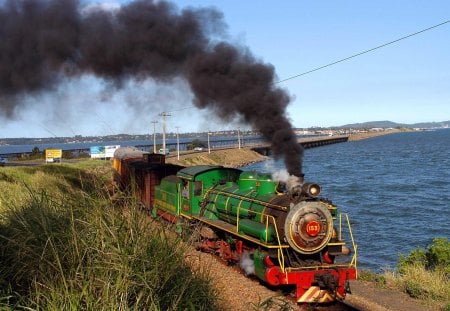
(209, 146)
(154, 136)
(239, 138)
(178, 144)
(164, 115)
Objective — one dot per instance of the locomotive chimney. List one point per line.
(294, 185)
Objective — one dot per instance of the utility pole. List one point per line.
(178, 144)
(239, 138)
(164, 115)
(154, 136)
(209, 146)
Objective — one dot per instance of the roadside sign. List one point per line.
(53, 155)
(103, 152)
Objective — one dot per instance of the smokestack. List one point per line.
(45, 42)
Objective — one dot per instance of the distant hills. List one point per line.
(390, 124)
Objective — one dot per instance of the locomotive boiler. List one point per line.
(286, 233)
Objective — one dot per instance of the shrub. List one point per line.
(436, 256)
(424, 273)
(417, 257)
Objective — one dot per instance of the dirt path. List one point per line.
(367, 296)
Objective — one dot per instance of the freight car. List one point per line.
(283, 233)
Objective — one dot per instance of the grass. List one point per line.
(226, 157)
(431, 287)
(65, 246)
(423, 284)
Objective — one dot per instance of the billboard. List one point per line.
(109, 150)
(102, 152)
(97, 152)
(53, 155)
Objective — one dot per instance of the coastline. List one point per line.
(245, 156)
(367, 135)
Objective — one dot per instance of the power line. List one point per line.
(180, 109)
(343, 59)
(363, 52)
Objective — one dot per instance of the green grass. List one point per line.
(423, 274)
(65, 246)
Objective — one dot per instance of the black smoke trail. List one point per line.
(46, 42)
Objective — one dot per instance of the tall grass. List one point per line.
(424, 284)
(73, 250)
(423, 274)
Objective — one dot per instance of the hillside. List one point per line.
(390, 124)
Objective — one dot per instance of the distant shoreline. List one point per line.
(242, 157)
(367, 135)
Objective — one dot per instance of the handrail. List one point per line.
(280, 250)
(355, 247)
(268, 218)
(241, 197)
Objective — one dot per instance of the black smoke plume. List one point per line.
(46, 42)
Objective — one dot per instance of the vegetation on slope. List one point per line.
(423, 274)
(64, 246)
(225, 157)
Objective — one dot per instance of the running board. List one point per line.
(230, 228)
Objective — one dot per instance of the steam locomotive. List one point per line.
(283, 233)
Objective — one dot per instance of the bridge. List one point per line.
(255, 143)
(309, 142)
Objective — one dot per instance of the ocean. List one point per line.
(395, 188)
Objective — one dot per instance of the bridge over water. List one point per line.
(310, 142)
(254, 142)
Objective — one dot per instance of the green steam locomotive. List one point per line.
(284, 233)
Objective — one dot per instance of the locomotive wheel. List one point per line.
(308, 227)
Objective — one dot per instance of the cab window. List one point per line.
(198, 187)
(185, 190)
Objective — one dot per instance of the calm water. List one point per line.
(396, 189)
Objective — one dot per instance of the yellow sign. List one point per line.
(53, 155)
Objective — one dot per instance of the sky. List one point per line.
(405, 82)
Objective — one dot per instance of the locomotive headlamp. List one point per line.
(311, 189)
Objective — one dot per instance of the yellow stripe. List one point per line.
(166, 206)
(315, 294)
(250, 199)
(306, 296)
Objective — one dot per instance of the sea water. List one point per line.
(395, 188)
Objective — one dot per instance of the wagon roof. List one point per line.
(128, 153)
(192, 171)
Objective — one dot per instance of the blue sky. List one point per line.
(405, 82)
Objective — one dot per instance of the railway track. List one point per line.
(239, 292)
